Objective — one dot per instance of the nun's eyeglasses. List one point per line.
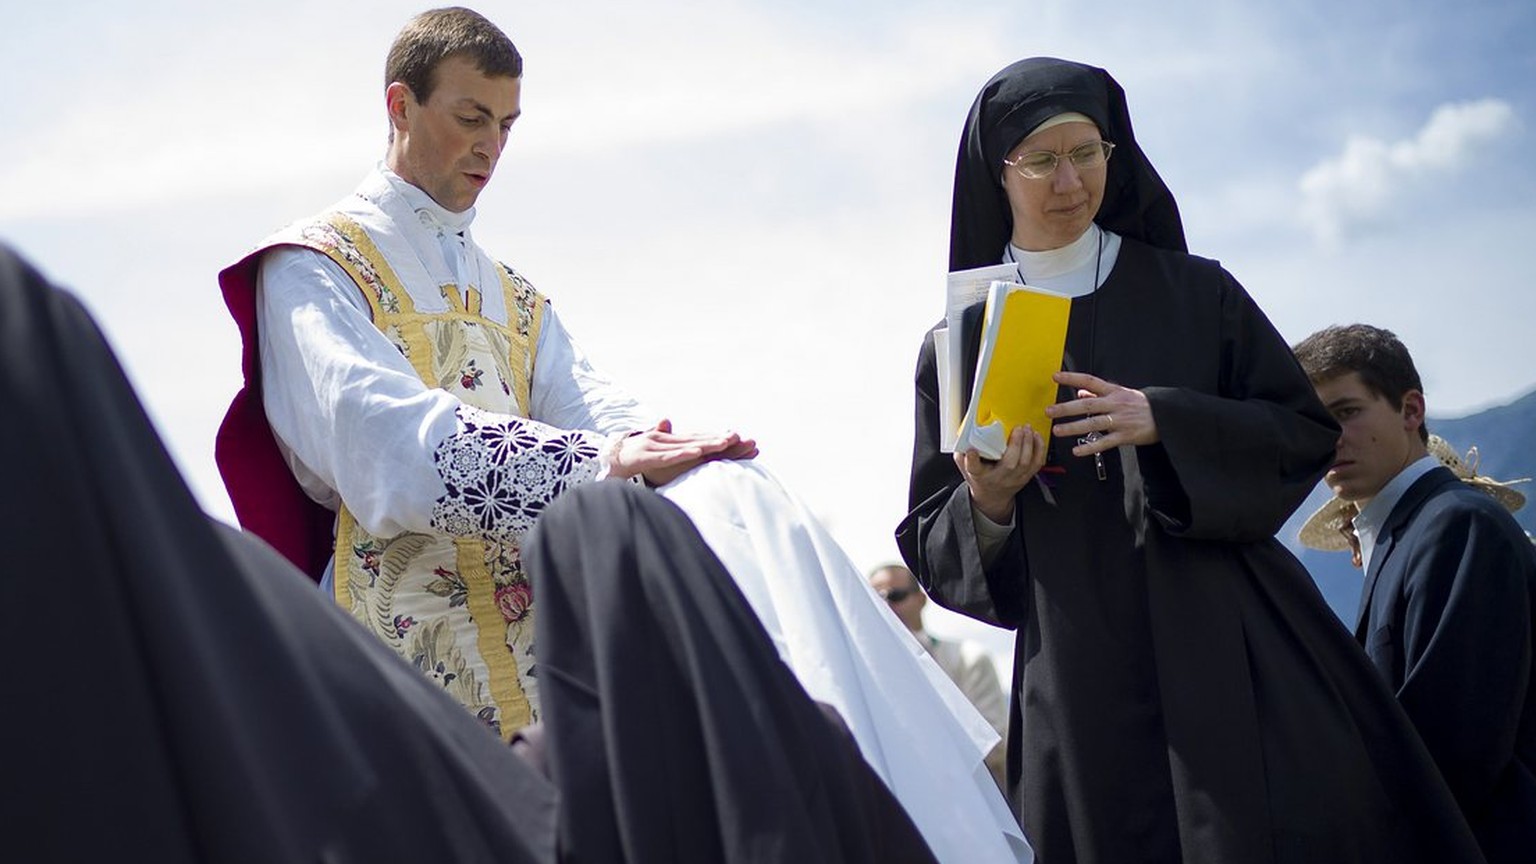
(1040, 164)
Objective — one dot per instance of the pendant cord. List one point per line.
(1093, 314)
(1093, 340)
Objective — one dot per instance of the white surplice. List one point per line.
(848, 649)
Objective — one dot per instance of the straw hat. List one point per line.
(1325, 529)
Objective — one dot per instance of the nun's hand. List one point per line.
(994, 484)
(1118, 414)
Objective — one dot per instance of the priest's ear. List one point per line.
(398, 98)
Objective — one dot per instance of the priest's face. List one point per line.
(448, 146)
(1050, 212)
(1376, 442)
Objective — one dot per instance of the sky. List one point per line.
(740, 207)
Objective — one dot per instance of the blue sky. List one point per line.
(741, 208)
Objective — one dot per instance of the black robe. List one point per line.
(669, 714)
(1181, 690)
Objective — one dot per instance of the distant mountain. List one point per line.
(1505, 438)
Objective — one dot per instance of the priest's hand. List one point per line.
(994, 484)
(1119, 415)
(661, 455)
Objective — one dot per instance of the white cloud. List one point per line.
(260, 113)
(1361, 184)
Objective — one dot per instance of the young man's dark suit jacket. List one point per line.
(1447, 615)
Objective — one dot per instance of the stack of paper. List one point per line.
(1023, 335)
(965, 288)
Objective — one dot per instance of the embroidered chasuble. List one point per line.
(452, 600)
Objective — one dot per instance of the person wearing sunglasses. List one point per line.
(964, 661)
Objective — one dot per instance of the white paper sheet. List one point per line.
(963, 289)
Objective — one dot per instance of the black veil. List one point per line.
(1136, 202)
(668, 712)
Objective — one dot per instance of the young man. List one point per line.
(411, 404)
(1446, 614)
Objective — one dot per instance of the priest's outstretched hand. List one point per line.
(660, 455)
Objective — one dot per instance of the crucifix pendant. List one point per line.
(1098, 458)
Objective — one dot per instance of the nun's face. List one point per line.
(1051, 212)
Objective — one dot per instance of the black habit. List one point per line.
(1181, 690)
(669, 714)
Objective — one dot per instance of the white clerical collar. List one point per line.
(1374, 514)
(1069, 270)
(445, 231)
(432, 214)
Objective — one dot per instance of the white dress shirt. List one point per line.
(1374, 514)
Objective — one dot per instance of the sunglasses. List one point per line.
(896, 595)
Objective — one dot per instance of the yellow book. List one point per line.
(1023, 336)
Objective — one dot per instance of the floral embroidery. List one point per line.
(487, 715)
(449, 584)
(512, 601)
(434, 653)
(369, 556)
(505, 563)
(403, 623)
(524, 296)
(327, 236)
(469, 378)
(501, 471)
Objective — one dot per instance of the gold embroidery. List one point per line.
(341, 564)
(491, 637)
(418, 348)
(527, 305)
(355, 252)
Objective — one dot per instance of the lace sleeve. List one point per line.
(501, 472)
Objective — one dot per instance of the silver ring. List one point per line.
(1109, 422)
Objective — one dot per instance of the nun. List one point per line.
(1181, 692)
